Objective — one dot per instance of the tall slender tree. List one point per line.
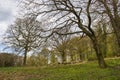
(112, 9)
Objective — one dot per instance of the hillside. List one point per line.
(86, 71)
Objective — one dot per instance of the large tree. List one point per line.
(66, 14)
(80, 46)
(23, 36)
(111, 9)
(60, 43)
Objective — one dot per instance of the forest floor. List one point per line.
(86, 71)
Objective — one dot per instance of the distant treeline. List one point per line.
(7, 60)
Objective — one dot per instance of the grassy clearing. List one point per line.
(87, 71)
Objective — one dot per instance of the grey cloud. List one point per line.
(5, 14)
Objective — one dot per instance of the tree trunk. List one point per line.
(63, 57)
(116, 27)
(118, 34)
(99, 54)
(81, 56)
(72, 57)
(25, 57)
(104, 40)
(114, 18)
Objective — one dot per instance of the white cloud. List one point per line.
(3, 28)
(8, 11)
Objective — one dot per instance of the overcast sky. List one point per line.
(8, 11)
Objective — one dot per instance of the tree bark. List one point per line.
(63, 57)
(99, 54)
(114, 18)
(25, 57)
(117, 27)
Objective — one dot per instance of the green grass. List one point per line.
(87, 71)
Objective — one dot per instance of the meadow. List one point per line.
(85, 71)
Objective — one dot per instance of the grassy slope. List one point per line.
(87, 71)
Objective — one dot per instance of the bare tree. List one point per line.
(61, 45)
(67, 14)
(23, 36)
(112, 9)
